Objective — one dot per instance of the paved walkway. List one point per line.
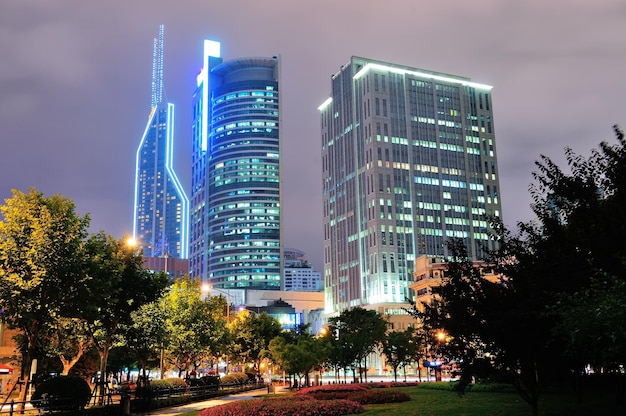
(197, 406)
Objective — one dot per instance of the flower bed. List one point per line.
(361, 393)
(327, 388)
(286, 406)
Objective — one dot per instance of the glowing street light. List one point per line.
(132, 242)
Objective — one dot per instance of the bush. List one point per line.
(204, 381)
(62, 393)
(287, 406)
(155, 386)
(234, 378)
(361, 393)
(328, 388)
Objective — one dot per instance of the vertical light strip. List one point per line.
(211, 48)
(138, 169)
(169, 161)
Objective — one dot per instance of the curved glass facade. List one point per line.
(242, 236)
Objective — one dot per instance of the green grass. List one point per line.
(427, 402)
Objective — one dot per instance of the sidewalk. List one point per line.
(198, 406)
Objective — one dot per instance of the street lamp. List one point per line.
(132, 242)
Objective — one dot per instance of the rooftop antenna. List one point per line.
(157, 69)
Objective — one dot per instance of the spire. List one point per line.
(157, 69)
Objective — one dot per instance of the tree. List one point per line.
(195, 327)
(40, 265)
(400, 349)
(493, 327)
(560, 305)
(298, 352)
(118, 286)
(69, 340)
(144, 337)
(250, 336)
(358, 333)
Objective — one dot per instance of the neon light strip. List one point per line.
(211, 48)
(169, 159)
(401, 71)
(137, 168)
(325, 104)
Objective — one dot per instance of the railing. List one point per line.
(126, 402)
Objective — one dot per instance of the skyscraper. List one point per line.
(235, 212)
(161, 207)
(409, 161)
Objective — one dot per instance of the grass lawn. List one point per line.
(426, 402)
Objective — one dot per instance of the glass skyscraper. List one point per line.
(409, 161)
(235, 201)
(161, 207)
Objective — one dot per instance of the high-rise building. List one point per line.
(409, 161)
(298, 273)
(235, 201)
(161, 207)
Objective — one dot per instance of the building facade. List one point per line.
(235, 202)
(299, 274)
(161, 208)
(430, 272)
(408, 161)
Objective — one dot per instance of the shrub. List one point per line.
(62, 393)
(234, 378)
(251, 377)
(328, 388)
(378, 396)
(388, 384)
(211, 380)
(160, 385)
(361, 393)
(287, 406)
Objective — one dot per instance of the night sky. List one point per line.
(75, 85)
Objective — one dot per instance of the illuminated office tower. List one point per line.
(235, 202)
(161, 207)
(409, 161)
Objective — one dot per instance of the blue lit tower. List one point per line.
(235, 213)
(409, 161)
(161, 207)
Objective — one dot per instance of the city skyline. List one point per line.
(73, 86)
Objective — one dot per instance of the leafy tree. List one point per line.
(40, 266)
(195, 327)
(250, 336)
(338, 357)
(560, 305)
(145, 336)
(69, 340)
(400, 349)
(298, 352)
(118, 286)
(492, 326)
(358, 333)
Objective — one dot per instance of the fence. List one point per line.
(123, 404)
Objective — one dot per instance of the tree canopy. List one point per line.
(40, 271)
(560, 306)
